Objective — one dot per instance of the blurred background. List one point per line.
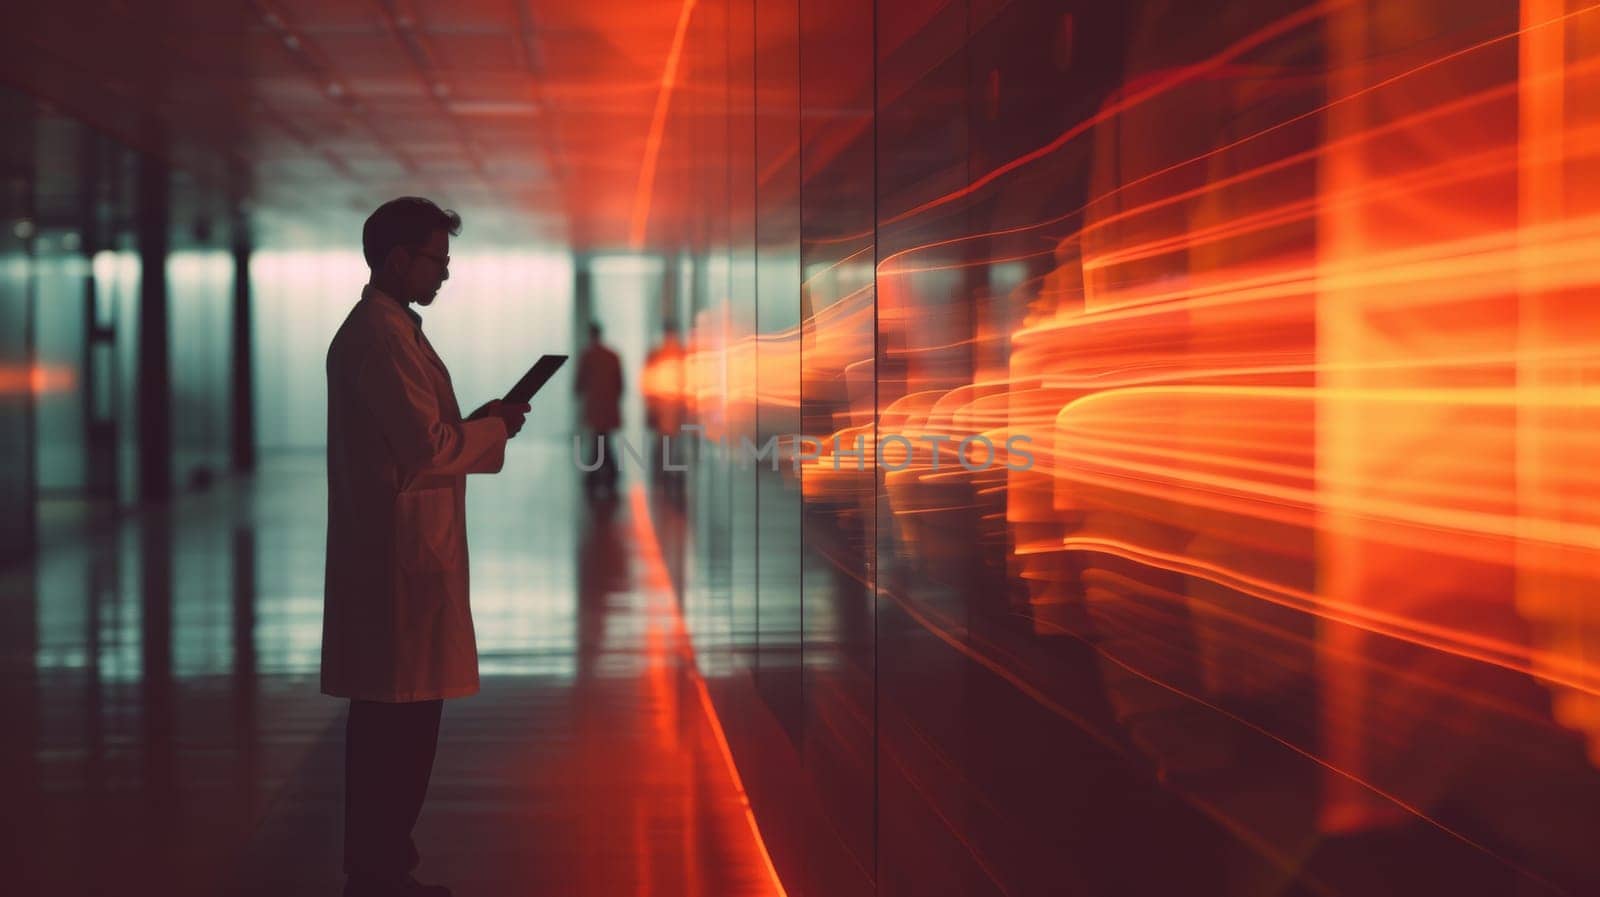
(1292, 308)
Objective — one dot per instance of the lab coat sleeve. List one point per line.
(395, 385)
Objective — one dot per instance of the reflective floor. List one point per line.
(165, 733)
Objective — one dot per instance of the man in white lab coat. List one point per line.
(397, 633)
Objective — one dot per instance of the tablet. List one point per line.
(535, 378)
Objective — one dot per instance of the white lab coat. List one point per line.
(396, 625)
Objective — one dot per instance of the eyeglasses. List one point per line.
(443, 261)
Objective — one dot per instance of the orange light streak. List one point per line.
(1340, 362)
(887, 265)
(658, 123)
(38, 379)
(1184, 75)
(658, 580)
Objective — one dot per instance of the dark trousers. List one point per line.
(604, 476)
(388, 758)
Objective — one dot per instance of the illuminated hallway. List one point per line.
(1067, 448)
(207, 759)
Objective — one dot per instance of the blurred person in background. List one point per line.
(664, 411)
(599, 383)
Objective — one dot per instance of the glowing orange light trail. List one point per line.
(38, 379)
(1346, 371)
(658, 124)
(887, 265)
(1287, 24)
(660, 587)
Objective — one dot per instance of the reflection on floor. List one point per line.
(165, 733)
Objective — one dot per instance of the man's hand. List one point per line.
(512, 414)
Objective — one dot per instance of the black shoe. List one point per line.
(406, 887)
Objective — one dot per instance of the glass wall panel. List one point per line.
(16, 399)
(775, 44)
(71, 210)
(1239, 354)
(734, 99)
(200, 306)
(55, 187)
(930, 542)
(116, 381)
(837, 406)
(58, 284)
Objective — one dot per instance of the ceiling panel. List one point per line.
(534, 114)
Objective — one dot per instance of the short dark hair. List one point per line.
(406, 221)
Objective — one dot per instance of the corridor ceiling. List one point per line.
(532, 118)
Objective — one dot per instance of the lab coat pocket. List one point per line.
(425, 530)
